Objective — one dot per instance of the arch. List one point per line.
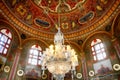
(114, 22)
(75, 45)
(95, 33)
(30, 39)
(10, 25)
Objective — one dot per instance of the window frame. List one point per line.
(6, 45)
(101, 49)
(32, 56)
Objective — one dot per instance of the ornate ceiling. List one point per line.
(77, 18)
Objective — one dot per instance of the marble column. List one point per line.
(15, 64)
(84, 68)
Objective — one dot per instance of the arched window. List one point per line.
(98, 50)
(35, 55)
(5, 39)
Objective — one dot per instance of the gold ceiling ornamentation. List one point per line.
(20, 72)
(69, 36)
(6, 69)
(116, 67)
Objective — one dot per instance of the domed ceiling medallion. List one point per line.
(62, 5)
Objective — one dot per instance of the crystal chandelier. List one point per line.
(59, 59)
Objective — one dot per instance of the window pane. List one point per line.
(31, 51)
(104, 54)
(92, 48)
(7, 45)
(30, 55)
(29, 60)
(9, 41)
(92, 43)
(39, 62)
(35, 52)
(5, 51)
(4, 38)
(6, 33)
(2, 43)
(98, 40)
(97, 47)
(94, 57)
(98, 51)
(35, 56)
(103, 50)
(40, 53)
(101, 45)
(0, 35)
(93, 53)
(39, 57)
(34, 61)
(99, 56)
(1, 49)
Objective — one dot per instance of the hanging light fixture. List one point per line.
(59, 59)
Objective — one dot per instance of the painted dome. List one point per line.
(77, 18)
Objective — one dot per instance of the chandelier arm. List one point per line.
(59, 16)
(49, 15)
